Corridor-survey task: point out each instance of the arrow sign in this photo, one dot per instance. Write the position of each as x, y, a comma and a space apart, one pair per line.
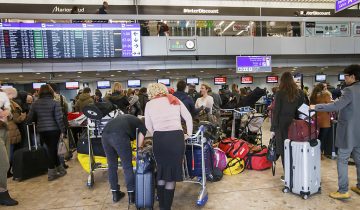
136, 40
136, 45
135, 33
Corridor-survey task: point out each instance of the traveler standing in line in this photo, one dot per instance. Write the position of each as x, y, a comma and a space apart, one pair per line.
320, 95
84, 100
143, 99
217, 99
118, 97
347, 131
134, 107
163, 114
183, 97
192, 92
205, 100
116, 138
47, 114
16, 117
103, 9
5, 111
98, 96
287, 101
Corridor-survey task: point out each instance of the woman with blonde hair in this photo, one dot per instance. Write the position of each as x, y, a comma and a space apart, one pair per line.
205, 101
118, 97
163, 114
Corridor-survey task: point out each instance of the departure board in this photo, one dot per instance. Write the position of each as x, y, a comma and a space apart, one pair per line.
77, 40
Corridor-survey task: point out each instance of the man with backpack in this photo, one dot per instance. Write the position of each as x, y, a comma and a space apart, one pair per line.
348, 130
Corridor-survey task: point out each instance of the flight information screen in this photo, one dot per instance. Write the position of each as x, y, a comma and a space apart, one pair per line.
78, 40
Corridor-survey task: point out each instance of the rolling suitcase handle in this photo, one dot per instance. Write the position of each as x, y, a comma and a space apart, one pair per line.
313, 142
28, 135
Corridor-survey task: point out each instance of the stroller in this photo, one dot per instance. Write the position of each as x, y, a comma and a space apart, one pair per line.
250, 127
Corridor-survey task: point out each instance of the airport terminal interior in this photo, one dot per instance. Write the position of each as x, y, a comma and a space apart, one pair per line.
240, 50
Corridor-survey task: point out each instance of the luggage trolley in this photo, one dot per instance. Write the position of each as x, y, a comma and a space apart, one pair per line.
197, 140
94, 131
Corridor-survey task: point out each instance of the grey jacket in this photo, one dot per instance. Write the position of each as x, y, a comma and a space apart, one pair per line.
47, 114
348, 106
217, 100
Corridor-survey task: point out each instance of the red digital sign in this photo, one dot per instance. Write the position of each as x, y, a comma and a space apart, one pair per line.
272, 79
219, 80
247, 80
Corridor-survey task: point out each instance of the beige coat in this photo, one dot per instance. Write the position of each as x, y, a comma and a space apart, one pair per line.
17, 117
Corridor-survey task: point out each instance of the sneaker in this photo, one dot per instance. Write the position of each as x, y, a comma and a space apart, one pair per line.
340, 196
282, 178
117, 196
356, 189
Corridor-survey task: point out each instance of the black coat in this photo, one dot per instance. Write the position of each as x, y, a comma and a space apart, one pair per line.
283, 114
121, 101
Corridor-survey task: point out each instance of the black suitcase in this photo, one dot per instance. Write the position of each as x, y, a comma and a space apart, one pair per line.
145, 185
29, 162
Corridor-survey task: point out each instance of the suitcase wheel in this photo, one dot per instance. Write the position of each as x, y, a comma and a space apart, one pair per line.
305, 197
285, 190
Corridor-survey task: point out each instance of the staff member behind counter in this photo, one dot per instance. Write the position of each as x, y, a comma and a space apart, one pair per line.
116, 139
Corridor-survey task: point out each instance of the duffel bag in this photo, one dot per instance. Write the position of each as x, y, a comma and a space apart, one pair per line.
234, 166
219, 159
299, 130
258, 161
234, 147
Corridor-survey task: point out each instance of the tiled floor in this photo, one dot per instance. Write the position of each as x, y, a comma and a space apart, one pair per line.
249, 190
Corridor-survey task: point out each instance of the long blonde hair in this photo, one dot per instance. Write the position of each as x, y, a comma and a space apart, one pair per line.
117, 86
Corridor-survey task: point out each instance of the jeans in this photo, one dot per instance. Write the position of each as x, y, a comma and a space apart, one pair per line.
119, 146
51, 140
4, 159
342, 167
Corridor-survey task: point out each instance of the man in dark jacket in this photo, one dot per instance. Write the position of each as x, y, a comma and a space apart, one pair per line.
192, 92
143, 99
84, 100
347, 131
183, 97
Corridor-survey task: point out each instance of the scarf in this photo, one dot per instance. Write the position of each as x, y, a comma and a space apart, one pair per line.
172, 99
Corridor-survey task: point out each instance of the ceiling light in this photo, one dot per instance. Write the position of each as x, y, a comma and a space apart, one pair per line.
60, 75
168, 72
79, 76
6, 78
38, 73
201, 71
158, 70
43, 77
133, 73
119, 71
79, 72
97, 74
112, 75
21, 76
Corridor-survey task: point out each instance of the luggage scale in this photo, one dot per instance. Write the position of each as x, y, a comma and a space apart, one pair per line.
197, 140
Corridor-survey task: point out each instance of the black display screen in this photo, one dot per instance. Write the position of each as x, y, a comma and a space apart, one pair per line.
78, 40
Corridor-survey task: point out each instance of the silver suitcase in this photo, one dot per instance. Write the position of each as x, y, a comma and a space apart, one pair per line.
302, 167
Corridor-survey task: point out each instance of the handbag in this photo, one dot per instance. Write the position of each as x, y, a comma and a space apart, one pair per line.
299, 130
271, 154
62, 149
145, 161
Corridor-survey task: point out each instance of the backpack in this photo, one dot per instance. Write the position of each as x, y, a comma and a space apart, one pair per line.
98, 110
219, 159
234, 147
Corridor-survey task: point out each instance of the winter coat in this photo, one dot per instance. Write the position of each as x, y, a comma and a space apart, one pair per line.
17, 117
284, 113
324, 117
121, 101
84, 100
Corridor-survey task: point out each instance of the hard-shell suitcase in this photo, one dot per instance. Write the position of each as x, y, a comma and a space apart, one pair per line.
303, 166
144, 184
29, 162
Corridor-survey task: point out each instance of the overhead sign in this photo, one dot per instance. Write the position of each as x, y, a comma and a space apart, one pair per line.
344, 4
253, 64
219, 80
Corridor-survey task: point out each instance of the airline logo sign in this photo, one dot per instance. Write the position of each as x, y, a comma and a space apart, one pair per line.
344, 4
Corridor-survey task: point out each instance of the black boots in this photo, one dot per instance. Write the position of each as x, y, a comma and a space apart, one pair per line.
168, 199
117, 196
131, 196
160, 195
6, 200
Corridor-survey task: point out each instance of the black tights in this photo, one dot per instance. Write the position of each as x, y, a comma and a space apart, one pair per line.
165, 192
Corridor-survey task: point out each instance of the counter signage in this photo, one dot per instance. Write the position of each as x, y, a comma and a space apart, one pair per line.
344, 4
253, 64
57, 40
219, 80
182, 44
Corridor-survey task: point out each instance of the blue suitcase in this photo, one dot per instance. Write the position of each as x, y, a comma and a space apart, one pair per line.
193, 160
